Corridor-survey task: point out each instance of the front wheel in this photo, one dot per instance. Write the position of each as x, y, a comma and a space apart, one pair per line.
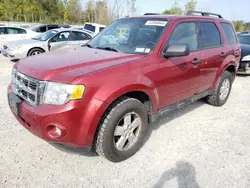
35, 51
122, 130
222, 90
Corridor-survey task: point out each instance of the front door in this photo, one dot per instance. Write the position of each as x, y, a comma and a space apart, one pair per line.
180, 76
60, 40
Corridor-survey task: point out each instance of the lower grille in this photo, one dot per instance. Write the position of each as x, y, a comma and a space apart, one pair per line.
27, 88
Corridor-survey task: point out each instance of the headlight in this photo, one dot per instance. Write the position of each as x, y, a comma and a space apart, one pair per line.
12, 48
59, 94
246, 58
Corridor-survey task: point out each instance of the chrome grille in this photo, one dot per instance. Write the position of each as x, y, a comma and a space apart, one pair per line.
27, 88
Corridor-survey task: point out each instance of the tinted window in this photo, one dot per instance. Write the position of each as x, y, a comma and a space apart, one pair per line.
228, 29
2, 31
15, 31
210, 35
244, 39
79, 36
89, 27
52, 27
42, 29
185, 33
61, 37
101, 28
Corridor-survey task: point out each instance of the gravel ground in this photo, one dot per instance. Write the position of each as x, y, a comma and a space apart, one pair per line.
199, 146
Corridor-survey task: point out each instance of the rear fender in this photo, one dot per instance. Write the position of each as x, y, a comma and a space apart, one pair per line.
229, 61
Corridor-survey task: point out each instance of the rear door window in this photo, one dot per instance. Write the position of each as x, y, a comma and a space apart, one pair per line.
210, 35
15, 31
228, 29
79, 36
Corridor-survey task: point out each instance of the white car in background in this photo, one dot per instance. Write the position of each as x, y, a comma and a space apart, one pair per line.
9, 33
93, 28
51, 40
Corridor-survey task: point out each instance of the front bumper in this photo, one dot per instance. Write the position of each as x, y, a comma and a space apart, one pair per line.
14, 55
244, 67
79, 119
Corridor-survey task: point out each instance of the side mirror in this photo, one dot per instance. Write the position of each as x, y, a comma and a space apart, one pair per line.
177, 50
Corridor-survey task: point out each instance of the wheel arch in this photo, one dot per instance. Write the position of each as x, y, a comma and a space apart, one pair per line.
35, 48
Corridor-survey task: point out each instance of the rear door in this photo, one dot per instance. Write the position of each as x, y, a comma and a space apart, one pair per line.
15, 34
213, 52
79, 38
231, 39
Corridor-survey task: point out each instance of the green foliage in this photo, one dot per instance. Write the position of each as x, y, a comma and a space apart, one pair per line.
190, 6
240, 25
174, 10
53, 11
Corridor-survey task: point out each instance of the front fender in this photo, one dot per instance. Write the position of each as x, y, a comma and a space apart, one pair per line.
112, 90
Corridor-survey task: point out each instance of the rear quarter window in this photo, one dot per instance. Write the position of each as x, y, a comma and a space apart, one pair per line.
229, 31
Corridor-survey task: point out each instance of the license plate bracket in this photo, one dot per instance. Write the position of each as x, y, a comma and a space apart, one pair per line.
14, 103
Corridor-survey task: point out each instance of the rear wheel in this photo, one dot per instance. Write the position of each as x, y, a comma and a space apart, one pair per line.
35, 51
122, 130
222, 90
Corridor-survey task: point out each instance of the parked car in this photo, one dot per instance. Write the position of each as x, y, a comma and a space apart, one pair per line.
50, 40
93, 28
243, 33
244, 67
8, 34
41, 28
104, 96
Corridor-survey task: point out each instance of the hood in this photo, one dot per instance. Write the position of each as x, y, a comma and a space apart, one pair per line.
245, 50
24, 42
68, 64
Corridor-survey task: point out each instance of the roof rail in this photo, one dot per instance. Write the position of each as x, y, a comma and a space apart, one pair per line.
203, 13
151, 14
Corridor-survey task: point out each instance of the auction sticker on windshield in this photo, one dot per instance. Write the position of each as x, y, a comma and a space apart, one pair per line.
156, 23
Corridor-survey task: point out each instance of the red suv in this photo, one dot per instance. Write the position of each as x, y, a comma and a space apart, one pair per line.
106, 94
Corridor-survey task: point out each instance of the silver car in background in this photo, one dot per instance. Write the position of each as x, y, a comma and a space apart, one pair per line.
51, 40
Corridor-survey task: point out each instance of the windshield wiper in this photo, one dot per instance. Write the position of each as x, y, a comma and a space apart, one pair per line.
108, 48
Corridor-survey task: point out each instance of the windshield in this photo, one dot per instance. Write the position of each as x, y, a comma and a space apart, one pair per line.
135, 36
244, 39
45, 36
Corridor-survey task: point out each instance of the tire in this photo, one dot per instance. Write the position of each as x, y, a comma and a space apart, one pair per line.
215, 99
35, 51
107, 144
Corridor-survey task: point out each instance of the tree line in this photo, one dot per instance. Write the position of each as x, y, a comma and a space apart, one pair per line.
75, 12
65, 11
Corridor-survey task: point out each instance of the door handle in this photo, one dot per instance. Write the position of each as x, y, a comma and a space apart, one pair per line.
196, 61
223, 54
